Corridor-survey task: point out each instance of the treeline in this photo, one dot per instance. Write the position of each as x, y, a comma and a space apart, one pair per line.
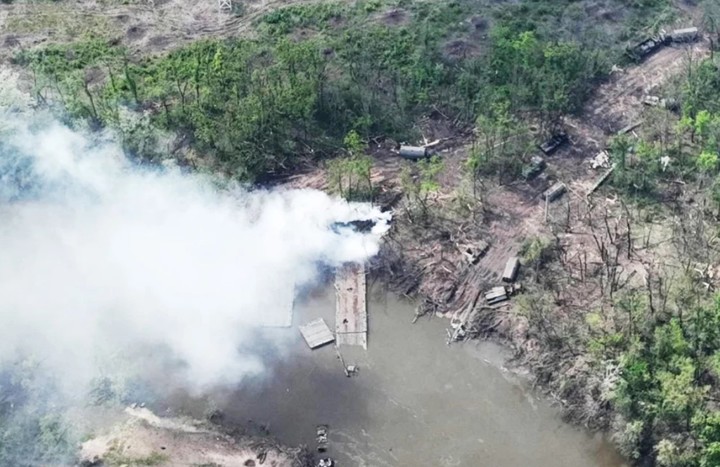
33, 428
42, 419
668, 391
641, 357
669, 352
257, 105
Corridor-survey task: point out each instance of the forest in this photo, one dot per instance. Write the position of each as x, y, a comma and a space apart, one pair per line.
317, 72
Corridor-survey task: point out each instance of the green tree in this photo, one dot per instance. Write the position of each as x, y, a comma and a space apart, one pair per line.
707, 425
419, 188
679, 394
707, 162
351, 176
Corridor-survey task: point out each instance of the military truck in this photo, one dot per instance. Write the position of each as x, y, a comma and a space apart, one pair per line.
533, 169
640, 51
554, 192
553, 143
685, 35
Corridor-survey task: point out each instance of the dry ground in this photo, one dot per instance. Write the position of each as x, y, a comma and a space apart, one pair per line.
578, 288
171, 442
144, 26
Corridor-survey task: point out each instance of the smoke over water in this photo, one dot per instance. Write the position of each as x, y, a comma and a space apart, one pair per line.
98, 256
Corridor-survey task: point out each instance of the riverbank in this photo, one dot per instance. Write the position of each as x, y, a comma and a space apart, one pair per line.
414, 401
423, 254
140, 437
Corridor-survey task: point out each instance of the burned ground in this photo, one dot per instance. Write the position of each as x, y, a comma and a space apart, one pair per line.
510, 214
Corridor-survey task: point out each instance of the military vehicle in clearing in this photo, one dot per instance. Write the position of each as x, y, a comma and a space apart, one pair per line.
552, 144
533, 169
639, 51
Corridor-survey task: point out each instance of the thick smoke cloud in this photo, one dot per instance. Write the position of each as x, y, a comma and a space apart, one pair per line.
98, 256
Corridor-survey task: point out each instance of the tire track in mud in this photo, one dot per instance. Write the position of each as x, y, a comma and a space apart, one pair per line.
519, 212
620, 100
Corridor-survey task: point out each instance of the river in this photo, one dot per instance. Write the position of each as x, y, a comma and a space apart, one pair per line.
415, 401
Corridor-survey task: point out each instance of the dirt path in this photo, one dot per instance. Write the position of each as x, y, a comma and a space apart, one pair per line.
619, 102
513, 213
516, 212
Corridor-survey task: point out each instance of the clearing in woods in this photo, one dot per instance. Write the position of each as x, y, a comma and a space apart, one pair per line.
515, 212
615, 105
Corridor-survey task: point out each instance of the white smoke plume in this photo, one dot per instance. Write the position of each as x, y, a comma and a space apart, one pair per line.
98, 255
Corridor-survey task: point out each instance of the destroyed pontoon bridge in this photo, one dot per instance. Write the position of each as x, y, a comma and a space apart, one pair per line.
351, 306
351, 321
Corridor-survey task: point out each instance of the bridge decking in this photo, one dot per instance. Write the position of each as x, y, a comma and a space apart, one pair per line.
351, 309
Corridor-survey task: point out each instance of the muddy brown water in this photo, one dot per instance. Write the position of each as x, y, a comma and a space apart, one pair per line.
414, 402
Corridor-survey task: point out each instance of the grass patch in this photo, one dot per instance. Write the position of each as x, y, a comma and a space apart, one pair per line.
116, 458
59, 23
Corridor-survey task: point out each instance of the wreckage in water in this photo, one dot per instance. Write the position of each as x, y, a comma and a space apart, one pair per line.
316, 333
